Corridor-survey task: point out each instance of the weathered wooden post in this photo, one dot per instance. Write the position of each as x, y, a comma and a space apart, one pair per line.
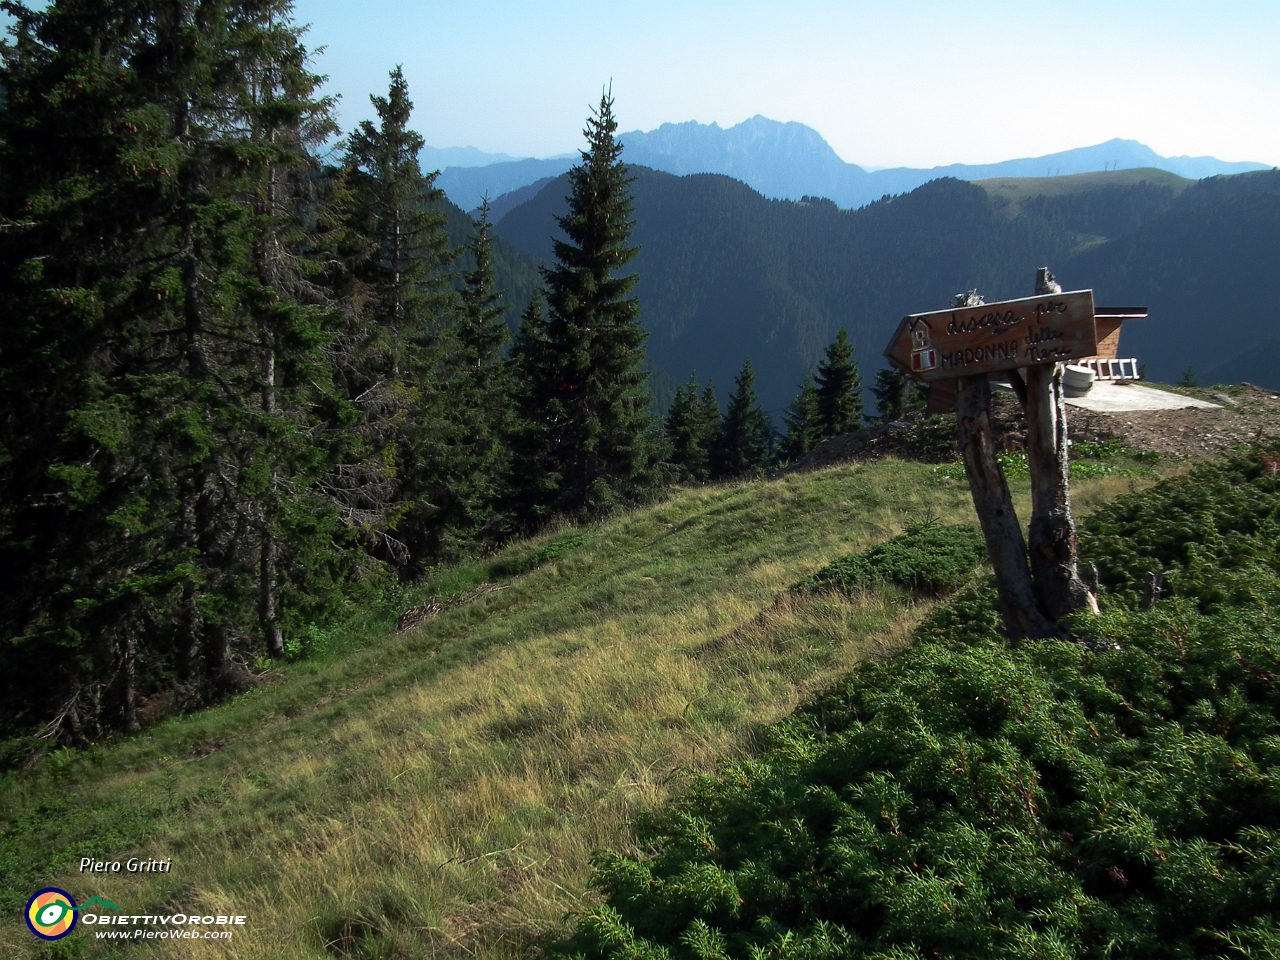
994, 506
1052, 531
969, 342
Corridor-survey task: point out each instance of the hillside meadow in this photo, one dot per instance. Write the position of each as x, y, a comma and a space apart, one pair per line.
440, 791
1109, 794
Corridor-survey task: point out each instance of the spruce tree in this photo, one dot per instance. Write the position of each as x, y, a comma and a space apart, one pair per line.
402, 341
283, 120
481, 331
399, 247
533, 384
82, 311
803, 420
897, 395
743, 445
691, 427
478, 398
839, 389
155, 249
712, 418
596, 416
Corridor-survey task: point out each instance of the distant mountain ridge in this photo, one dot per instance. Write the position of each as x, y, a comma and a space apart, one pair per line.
790, 161
467, 186
785, 161
437, 158
727, 275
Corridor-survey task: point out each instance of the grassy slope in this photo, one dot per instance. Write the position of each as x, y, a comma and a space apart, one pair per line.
1017, 190
443, 790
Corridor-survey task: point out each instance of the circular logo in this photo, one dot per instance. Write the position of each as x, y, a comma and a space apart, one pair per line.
51, 913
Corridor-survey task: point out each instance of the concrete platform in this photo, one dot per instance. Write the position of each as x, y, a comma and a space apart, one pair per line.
1109, 397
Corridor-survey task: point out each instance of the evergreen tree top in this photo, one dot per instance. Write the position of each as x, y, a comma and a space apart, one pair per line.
391, 146
595, 415
599, 221
400, 243
482, 331
839, 389
745, 436
803, 420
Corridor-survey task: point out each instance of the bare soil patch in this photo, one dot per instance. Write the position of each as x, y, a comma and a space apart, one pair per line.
1248, 414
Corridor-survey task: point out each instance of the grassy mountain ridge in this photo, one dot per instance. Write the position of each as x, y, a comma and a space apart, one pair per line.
726, 274
441, 790
1011, 193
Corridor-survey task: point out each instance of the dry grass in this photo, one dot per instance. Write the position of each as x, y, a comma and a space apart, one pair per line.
445, 794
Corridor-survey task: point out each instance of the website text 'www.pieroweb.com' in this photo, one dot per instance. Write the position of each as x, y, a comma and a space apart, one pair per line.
176, 926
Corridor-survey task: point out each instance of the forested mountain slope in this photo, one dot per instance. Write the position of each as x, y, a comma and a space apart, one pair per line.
1206, 266
727, 274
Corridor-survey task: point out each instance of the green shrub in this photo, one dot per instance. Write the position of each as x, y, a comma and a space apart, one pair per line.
1110, 450
1208, 533
1113, 796
928, 557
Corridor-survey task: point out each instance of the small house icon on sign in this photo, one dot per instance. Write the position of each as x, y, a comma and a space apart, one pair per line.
923, 356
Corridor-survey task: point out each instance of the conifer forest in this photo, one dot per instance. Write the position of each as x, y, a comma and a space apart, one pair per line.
245, 375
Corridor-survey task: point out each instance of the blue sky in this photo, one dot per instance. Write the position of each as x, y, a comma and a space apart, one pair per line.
905, 83
914, 82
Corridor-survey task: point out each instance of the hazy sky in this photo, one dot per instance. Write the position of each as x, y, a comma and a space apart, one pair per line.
886, 83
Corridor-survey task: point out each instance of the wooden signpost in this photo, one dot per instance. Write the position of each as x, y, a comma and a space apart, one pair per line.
991, 337
1029, 339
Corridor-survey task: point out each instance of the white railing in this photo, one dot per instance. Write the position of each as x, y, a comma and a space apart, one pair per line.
1112, 369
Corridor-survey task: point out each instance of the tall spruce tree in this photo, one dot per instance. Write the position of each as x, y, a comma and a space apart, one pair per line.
402, 341
481, 331
712, 417
691, 426
79, 519
839, 389
594, 412
746, 436
479, 400
532, 439
283, 119
804, 422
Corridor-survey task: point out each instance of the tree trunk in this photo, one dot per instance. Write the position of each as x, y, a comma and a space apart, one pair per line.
994, 506
130, 682
1052, 533
267, 599
193, 647
267, 619
228, 676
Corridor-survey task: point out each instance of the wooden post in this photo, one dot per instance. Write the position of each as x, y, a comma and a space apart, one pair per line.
969, 342
994, 506
1052, 532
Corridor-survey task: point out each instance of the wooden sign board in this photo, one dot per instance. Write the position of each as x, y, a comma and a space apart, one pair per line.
995, 336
